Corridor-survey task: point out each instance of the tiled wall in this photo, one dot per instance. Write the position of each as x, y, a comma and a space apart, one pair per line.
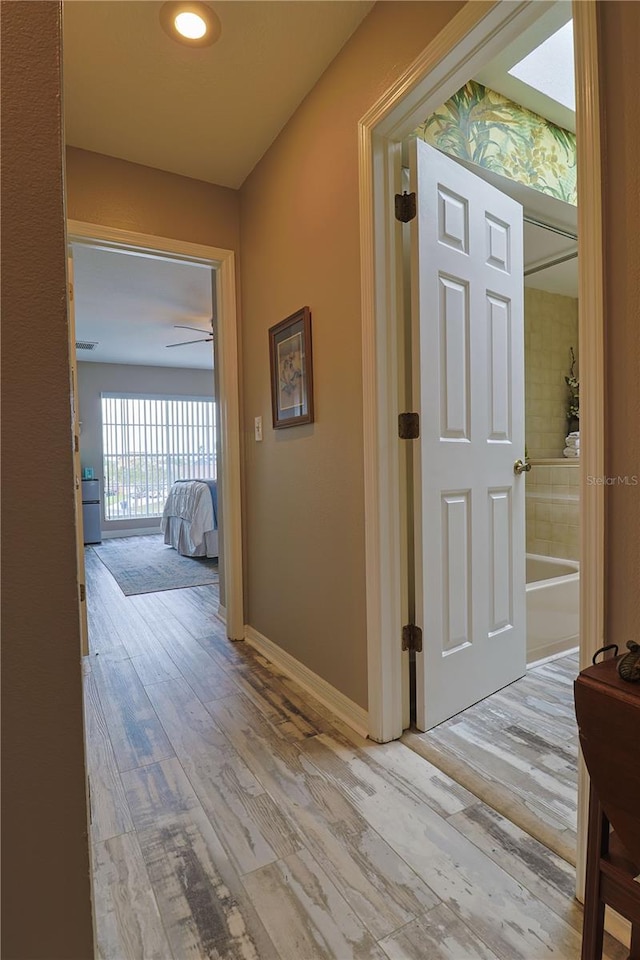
552, 506
550, 329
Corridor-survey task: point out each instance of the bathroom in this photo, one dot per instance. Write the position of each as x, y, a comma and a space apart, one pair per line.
533, 159
553, 482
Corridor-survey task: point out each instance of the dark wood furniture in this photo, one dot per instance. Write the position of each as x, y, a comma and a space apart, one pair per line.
608, 714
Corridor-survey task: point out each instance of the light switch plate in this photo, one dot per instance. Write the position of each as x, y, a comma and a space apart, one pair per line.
258, 428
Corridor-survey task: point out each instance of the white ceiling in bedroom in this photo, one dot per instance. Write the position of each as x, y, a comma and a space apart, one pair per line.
129, 305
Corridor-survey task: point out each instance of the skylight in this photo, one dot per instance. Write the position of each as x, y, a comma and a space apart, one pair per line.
549, 68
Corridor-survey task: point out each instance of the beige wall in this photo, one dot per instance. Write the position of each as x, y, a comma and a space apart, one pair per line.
550, 329
620, 65
300, 246
46, 908
128, 196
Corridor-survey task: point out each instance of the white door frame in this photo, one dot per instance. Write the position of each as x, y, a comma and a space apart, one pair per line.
223, 261
476, 34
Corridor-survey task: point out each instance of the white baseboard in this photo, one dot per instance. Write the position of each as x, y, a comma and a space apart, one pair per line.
345, 709
539, 661
130, 532
617, 926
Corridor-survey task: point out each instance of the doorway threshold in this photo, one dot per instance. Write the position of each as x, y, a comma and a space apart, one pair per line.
517, 751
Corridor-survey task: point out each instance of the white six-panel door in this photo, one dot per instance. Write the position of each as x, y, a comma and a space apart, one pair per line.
468, 374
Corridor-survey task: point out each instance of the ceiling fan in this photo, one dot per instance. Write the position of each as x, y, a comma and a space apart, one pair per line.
184, 343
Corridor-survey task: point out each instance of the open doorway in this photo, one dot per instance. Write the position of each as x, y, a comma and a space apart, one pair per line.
144, 340
496, 385
444, 68
182, 282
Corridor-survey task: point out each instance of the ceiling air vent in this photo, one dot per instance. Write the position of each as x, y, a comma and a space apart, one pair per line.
85, 345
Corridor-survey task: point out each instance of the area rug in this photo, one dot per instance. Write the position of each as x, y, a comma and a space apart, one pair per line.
148, 565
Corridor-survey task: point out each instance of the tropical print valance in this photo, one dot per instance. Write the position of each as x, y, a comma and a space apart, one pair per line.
482, 126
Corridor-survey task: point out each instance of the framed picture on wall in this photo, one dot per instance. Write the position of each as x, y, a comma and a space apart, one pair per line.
291, 370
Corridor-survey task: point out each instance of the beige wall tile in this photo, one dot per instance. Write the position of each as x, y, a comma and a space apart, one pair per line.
551, 328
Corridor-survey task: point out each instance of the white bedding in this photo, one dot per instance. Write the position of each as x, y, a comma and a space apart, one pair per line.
188, 521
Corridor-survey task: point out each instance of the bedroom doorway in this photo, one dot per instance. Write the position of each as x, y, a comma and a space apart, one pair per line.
148, 423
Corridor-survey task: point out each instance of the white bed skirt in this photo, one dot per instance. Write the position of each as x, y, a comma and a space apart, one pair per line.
177, 534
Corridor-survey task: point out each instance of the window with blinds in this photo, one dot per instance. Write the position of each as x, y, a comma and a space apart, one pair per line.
148, 442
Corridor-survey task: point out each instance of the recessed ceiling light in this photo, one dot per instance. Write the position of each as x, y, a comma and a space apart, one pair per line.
190, 25
190, 22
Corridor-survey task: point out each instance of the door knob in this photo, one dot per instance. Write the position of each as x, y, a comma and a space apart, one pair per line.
521, 466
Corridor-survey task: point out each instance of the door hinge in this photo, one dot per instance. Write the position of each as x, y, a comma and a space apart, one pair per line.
83, 592
71, 291
409, 426
412, 637
76, 444
405, 206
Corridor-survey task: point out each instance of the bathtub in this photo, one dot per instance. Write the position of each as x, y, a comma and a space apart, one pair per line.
553, 601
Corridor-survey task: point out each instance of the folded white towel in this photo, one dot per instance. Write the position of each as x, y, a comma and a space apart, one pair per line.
571, 452
574, 433
572, 441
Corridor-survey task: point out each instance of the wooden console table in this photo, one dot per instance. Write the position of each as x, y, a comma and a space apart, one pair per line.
608, 714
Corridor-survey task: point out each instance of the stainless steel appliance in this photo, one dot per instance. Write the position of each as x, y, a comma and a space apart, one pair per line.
91, 511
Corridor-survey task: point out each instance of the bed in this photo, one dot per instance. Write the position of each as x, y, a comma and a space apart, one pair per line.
190, 518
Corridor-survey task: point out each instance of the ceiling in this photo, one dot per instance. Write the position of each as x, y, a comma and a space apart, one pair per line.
127, 84
128, 305
210, 112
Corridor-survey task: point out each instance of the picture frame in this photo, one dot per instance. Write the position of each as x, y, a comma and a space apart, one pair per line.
291, 370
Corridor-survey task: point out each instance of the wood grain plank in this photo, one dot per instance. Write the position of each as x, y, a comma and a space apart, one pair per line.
230, 653
110, 815
157, 792
205, 909
564, 670
207, 678
549, 878
500, 796
377, 884
253, 828
209, 600
412, 774
502, 913
128, 922
149, 606
136, 733
507, 759
113, 620
529, 697
304, 913
440, 935
517, 750
190, 614
295, 719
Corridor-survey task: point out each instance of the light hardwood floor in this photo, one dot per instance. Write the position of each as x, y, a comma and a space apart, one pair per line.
233, 817
518, 750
